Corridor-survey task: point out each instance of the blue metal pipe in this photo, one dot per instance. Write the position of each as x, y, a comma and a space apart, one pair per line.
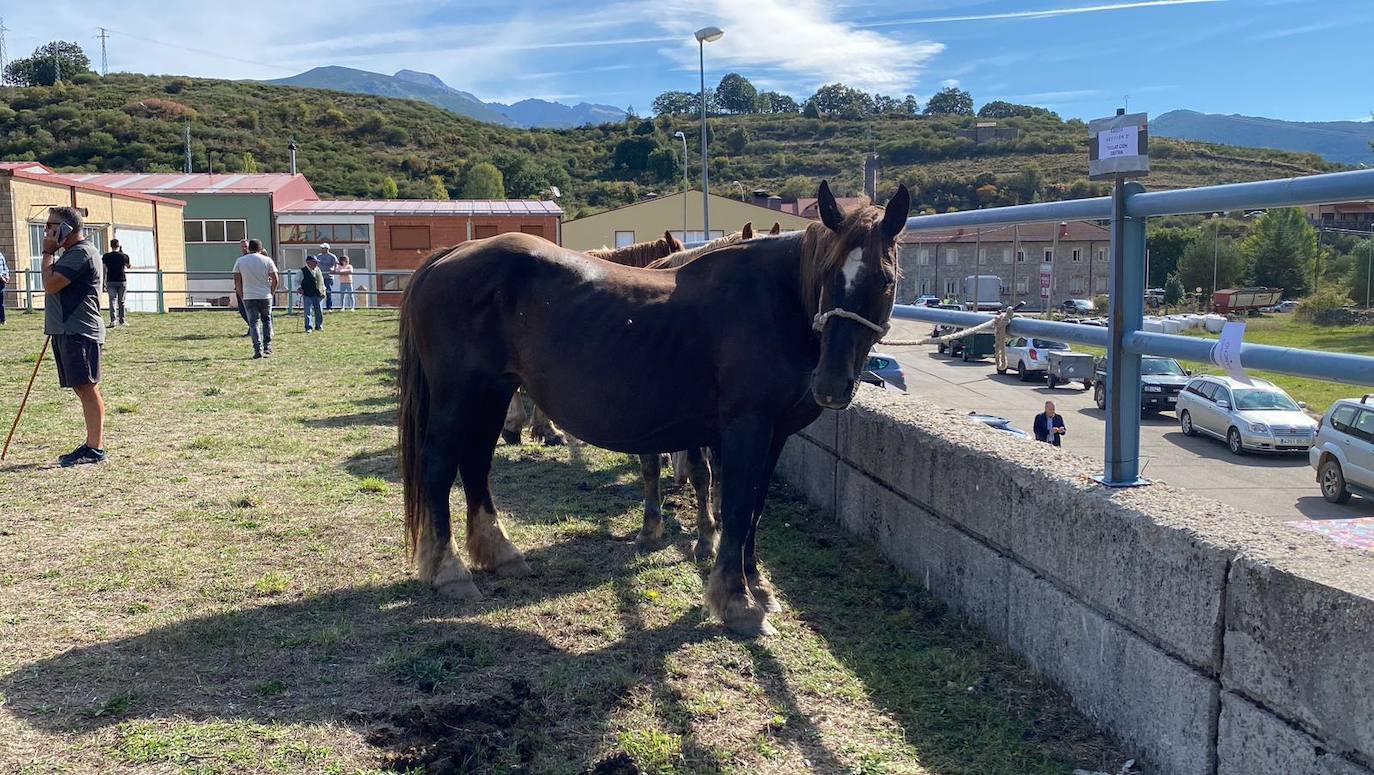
1290, 192
1095, 336
1097, 209
1335, 367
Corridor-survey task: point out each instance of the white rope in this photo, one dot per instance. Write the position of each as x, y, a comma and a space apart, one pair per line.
1000, 323
824, 317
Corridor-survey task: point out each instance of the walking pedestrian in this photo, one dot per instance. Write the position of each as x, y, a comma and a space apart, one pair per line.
345, 272
1049, 426
4, 280
71, 316
116, 281
255, 281
312, 292
328, 261
243, 311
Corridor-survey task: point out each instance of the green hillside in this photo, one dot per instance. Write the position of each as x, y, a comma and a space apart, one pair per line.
351, 143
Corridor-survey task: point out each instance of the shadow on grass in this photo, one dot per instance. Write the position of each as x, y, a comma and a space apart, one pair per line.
381, 417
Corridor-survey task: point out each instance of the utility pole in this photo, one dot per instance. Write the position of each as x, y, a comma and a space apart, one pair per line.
104, 61
188, 170
56, 63
4, 56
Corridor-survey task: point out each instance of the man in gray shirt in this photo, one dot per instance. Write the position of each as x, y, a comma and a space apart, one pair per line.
327, 263
72, 318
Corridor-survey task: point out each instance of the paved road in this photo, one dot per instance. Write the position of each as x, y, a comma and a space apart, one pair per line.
1282, 487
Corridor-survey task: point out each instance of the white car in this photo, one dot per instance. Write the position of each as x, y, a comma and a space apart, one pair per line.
1258, 417
1343, 456
1030, 356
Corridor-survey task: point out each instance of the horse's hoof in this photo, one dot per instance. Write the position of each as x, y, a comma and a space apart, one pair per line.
766, 601
752, 628
704, 551
511, 437
459, 589
513, 569
554, 441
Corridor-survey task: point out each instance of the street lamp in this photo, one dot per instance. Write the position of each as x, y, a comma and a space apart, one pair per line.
740, 186
683, 138
705, 35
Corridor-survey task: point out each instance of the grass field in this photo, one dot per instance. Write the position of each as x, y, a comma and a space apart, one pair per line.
229, 594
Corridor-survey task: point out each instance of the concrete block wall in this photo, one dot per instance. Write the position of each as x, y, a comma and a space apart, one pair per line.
1207, 640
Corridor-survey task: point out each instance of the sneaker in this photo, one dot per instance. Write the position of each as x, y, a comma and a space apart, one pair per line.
257, 354
307, 330
267, 351
81, 455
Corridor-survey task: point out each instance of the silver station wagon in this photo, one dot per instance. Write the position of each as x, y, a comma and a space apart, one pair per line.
1258, 417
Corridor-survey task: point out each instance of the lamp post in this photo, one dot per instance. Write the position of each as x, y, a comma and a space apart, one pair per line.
740, 186
705, 35
683, 138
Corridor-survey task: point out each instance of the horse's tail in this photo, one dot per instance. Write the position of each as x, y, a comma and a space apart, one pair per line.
414, 414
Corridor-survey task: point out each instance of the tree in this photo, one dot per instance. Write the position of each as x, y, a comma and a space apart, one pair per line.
389, 190
736, 140
1359, 278
1000, 109
883, 104
810, 110
1195, 264
796, 187
1173, 290
663, 164
1026, 183
736, 94
437, 189
841, 101
484, 181
42, 69
774, 102
250, 165
1283, 252
632, 153
1166, 246
950, 101
910, 106
673, 103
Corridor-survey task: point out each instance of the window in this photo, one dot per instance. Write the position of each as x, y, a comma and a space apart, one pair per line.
1342, 417
360, 232
1006, 255
483, 231
1004, 289
1101, 254
982, 255
1100, 285
925, 288
215, 230
923, 257
951, 288
1076, 285
1077, 254
951, 256
1364, 425
1020, 256
537, 230
410, 238
1049, 255
624, 238
1022, 285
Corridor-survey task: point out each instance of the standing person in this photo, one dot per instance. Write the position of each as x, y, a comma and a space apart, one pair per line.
116, 281
71, 316
1049, 426
243, 311
255, 281
312, 292
345, 272
4, 280
328, 261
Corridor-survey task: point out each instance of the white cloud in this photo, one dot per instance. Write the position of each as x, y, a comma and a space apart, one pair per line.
950, 83
801, 38
1042, 14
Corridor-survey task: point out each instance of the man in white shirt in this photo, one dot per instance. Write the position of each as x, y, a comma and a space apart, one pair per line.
255, 282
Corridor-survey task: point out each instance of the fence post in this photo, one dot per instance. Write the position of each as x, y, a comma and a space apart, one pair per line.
161, 299
1127, 312
28, 291
290, 291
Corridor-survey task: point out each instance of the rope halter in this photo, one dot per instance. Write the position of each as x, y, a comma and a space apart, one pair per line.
818, 325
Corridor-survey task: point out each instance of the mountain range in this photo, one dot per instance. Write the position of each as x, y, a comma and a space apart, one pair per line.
427, 87
1344, 142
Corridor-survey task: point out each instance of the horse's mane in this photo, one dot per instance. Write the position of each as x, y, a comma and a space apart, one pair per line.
684, 257
823, 253
641, 253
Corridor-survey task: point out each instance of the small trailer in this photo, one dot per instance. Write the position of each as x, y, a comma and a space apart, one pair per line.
1239, 301
1066, 367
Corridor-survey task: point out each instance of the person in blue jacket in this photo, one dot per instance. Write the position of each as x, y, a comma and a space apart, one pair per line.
1049, 426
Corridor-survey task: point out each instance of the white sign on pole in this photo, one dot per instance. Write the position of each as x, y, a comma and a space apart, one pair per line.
1115, 143
1226, 352
1120, 146
1046, 280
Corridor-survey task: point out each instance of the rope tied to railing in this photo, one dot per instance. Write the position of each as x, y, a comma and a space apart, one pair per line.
1000, 322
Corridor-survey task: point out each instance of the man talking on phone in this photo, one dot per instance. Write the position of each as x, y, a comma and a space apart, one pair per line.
71, 279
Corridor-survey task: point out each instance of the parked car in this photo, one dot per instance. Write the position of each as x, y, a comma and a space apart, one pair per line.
886, 367
1161, 380
1343, 455
1286, 306
1030, 356
1257, 417
997, 423
1078, 307
927, 301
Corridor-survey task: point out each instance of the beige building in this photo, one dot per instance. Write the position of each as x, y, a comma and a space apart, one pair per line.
149, 228
647, 220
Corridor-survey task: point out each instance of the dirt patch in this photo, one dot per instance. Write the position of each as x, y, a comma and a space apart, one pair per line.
449, 737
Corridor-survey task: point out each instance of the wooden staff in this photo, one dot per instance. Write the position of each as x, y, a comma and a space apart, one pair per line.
25, 402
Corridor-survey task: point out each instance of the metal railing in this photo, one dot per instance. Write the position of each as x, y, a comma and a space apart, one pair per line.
154, 291
1124, 339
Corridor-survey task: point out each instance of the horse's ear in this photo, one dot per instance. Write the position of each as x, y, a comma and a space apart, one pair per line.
673, 244
777, 228
748, 231
898, 207
829, 208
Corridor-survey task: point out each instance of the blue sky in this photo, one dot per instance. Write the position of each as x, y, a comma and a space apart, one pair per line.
1290, 59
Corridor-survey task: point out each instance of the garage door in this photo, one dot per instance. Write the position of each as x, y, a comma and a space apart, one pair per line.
142, 250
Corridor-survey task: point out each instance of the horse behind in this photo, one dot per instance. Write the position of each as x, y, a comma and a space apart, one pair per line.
735, 351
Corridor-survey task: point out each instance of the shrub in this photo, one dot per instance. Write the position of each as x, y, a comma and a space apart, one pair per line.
1101, 303
1328, 307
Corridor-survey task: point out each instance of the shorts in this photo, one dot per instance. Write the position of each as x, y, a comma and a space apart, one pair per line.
78, 360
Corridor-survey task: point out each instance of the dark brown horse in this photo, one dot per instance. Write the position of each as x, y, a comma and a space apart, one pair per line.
736, 351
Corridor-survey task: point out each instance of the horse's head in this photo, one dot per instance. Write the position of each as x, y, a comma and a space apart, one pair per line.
856, 271
671, 243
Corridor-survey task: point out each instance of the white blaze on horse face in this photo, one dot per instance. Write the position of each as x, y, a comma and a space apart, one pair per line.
852, 264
